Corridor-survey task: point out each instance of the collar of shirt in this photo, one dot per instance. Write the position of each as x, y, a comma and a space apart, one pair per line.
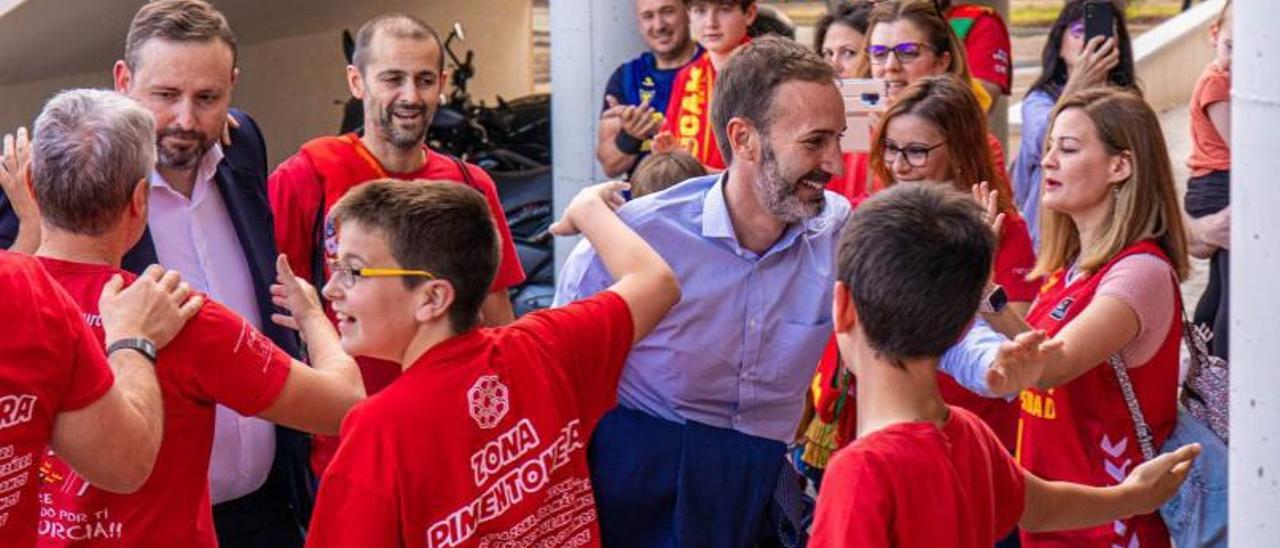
205, 173
717, 224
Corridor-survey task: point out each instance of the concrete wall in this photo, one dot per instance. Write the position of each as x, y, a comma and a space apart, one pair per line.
294, 87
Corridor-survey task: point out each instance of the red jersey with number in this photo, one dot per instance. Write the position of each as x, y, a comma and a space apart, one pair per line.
917, 485
50, 363
483, 440
320, 174
1082, 431
217, 358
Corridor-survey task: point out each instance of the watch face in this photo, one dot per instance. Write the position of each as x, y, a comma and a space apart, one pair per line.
998, 299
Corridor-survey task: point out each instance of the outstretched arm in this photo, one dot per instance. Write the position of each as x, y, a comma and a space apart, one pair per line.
1061, 505
642, 278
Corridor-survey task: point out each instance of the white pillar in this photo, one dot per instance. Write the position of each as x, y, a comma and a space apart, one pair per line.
1255, 258
589, 39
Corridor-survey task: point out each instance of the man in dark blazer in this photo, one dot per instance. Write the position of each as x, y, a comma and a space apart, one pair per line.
209, 219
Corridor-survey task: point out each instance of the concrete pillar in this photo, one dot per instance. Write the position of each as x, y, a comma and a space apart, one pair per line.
1255, 256
589, 39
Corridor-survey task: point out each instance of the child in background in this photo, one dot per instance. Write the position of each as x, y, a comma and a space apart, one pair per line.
922, 473
662, 170
1209, 189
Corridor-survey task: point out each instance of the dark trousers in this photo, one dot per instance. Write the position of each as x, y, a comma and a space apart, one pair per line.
659, 483
1206, 195
260, 519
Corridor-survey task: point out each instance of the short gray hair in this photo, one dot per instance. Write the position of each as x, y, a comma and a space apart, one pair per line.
89, 150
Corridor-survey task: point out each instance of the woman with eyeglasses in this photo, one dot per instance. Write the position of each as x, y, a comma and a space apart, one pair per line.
908, 40
1069, 65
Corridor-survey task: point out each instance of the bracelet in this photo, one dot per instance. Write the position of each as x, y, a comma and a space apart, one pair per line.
137, 344
627, 143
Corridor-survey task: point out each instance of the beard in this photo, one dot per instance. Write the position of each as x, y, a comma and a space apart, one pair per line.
400, 137
781, 196
181, 157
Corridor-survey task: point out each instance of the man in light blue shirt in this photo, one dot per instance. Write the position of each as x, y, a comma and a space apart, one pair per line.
707, 402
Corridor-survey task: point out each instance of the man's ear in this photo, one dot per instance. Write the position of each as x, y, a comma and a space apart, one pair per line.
844, 314
435, 298
138, 201
355, 82
122, 76
235, 76
744, 140
751, 13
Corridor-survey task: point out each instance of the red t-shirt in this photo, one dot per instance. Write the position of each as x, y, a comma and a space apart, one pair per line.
987, 47
1209, 151
296, 192
483, 440
217, 358
913, 484
49, 363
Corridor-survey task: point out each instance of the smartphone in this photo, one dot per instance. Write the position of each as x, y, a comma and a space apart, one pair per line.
864, 101
1099, 19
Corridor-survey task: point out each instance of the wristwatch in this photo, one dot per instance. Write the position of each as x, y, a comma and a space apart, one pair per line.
994, 301
137, 344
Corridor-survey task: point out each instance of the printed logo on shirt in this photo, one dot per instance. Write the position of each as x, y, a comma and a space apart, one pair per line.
254, 342
16, 409
489, 401
1060, 311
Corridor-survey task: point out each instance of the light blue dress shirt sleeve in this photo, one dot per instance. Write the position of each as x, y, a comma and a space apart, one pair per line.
968, 360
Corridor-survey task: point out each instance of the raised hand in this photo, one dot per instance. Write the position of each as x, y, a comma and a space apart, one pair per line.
295, 295
156, 306
607, 194
1021, 362
988, 200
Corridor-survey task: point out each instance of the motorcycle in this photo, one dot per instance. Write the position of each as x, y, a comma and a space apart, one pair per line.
512, 142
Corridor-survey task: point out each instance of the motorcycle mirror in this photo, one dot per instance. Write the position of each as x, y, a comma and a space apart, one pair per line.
457, 29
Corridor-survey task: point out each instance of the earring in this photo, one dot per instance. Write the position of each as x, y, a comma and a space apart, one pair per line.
1115, 189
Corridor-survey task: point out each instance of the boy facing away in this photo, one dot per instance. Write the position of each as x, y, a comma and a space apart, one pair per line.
482, 439
912, 267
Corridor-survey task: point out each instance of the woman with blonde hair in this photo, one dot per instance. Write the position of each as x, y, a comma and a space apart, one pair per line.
1112, 253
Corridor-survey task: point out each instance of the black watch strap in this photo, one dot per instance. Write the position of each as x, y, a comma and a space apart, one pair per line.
138, 344
628, 143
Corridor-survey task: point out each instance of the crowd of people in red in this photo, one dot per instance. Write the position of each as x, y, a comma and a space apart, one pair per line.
767, 341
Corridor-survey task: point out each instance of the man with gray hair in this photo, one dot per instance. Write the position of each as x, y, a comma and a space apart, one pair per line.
56, 389
209, 219
92, 154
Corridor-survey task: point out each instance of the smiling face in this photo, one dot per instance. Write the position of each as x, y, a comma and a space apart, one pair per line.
841, 47
900, 73
664, 24
1078, 169
400, 86
376, 316
907, 137
720, 27
801, 150
187, 87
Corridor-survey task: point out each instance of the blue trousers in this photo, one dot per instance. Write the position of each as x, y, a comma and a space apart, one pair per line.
663, 484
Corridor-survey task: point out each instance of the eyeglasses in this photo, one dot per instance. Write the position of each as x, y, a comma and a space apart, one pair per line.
915, 154
346, 275
906, 52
